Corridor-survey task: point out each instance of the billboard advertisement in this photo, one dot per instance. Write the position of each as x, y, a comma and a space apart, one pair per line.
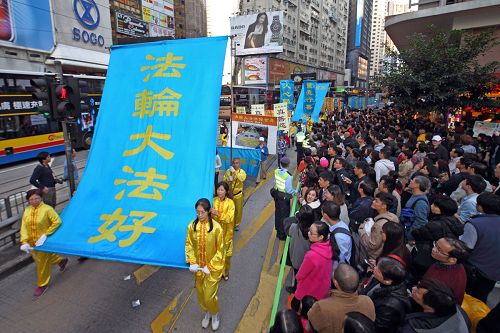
258, 33
27, 24
359, 21
255, 70
160, 16
131, 26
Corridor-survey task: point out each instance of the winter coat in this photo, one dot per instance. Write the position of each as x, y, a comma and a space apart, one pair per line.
404, 171
315, 273
361, 210
382, 168
298, 246
439, 227
391, 306
374, 242
425, 322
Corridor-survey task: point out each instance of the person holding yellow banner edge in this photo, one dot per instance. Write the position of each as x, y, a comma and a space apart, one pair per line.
235, 176
205, 253
223, 212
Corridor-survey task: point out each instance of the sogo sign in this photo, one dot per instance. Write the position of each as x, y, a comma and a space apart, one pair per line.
87, 14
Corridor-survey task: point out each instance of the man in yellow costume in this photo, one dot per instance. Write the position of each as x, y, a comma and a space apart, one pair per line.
235, 176
205, 254
39, 221
223, 212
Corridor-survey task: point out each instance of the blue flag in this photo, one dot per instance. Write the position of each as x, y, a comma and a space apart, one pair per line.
286, 93
299, 108
152, 157
249, 159
309, 96
321, 90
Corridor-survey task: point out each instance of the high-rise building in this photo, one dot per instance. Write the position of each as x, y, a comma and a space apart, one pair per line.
358, 42
195, 18
314, 37
379, 41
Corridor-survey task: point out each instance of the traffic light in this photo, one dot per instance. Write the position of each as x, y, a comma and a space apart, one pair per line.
44, 93
77, 96
63, 106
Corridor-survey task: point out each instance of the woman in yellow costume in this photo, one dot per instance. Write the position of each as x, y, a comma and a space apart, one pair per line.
235, 176
205, 254
223, 212
39, 221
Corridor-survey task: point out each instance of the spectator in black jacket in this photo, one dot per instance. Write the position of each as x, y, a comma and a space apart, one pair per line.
444, 224
361, 171
452, 184
43, 179
362, 207
388, 293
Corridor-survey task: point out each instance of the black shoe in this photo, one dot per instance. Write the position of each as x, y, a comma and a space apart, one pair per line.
281, 237
290, 289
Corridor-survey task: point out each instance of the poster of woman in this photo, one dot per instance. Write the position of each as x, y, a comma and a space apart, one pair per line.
258, 33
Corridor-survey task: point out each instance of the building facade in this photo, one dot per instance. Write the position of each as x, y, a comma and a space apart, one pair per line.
358, 42
314, 37
379, 41
195, 18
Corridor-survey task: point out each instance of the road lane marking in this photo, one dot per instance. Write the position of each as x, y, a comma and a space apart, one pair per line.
145, 272
183, 305
165, 316
255, 226
269, 251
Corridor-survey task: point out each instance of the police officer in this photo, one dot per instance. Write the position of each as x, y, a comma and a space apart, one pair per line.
282, 195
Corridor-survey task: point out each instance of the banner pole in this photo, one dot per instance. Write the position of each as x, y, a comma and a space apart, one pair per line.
233, 51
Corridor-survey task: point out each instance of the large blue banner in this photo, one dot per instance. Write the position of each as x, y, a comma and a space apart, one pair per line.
152, 156
249, 159
286, 93
321, 90
299, 113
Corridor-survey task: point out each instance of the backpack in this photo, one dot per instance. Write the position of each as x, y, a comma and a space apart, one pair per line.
359, 254
407, 216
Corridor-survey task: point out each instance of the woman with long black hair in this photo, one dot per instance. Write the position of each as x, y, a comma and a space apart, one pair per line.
256, 32
205, 253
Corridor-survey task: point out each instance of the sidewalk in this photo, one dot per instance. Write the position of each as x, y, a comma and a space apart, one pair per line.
12, 259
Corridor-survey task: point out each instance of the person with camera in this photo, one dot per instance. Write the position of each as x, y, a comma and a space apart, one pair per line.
43, 179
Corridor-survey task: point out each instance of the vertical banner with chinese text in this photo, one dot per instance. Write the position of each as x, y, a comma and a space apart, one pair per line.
286, 93
140, 184
310, 96
321, 91
249, 159
281, 114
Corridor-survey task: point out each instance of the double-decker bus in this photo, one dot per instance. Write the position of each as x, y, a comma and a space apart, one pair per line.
24, 132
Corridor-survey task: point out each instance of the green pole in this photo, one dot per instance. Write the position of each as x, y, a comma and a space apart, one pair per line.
277, 292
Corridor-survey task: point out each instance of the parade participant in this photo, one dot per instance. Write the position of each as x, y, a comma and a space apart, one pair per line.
205, 255
223, 213
264, 152
39, 221
282, 195
218, 164
235, 176
43, 178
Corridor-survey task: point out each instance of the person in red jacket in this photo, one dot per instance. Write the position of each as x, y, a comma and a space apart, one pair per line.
449, 253
313, 277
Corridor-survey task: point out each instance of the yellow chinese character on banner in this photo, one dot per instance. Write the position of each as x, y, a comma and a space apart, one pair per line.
138, 228
253, 162
309, 107
286, 85
164, 63
142, 185
309, 85
147, 103
148, 136
287, 94
108, 230
243, 161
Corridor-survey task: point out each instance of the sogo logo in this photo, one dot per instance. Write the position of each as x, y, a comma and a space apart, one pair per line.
87, 13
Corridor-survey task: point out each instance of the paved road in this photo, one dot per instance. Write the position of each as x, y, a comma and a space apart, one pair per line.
94, 296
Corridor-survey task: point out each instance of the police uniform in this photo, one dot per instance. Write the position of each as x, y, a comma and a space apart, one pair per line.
282, 198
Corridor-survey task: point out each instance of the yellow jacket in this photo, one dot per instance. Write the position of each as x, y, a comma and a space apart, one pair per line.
236, 184
38, 221
225, 209
206, 248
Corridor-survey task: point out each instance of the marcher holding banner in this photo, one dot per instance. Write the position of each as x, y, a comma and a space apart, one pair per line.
205, 254
39, 221
235, 176
223, 212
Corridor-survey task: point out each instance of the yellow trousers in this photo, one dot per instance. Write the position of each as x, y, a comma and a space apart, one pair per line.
238, 208
44, 262
206, 289
228, 229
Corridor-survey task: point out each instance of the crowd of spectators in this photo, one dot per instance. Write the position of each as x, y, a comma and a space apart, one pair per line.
398, 226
